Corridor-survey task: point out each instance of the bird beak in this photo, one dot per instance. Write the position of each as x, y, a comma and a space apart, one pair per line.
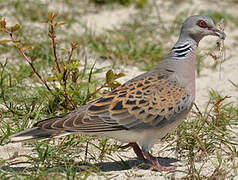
217, 32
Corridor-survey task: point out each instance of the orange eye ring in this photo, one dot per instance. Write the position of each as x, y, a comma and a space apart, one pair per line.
202, 24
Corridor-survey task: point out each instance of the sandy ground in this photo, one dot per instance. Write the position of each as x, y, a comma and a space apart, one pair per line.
209, 79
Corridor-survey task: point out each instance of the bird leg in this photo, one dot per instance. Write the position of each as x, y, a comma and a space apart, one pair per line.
145, 155
155, 162
136, 149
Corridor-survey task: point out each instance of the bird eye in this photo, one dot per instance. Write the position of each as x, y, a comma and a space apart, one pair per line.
202, 24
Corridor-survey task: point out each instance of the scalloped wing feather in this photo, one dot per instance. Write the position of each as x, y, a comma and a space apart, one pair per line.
151, 101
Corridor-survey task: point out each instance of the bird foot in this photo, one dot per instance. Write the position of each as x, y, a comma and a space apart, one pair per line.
136, 149
156, 164
145, 155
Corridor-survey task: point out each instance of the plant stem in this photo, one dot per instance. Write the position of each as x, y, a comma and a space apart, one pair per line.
65, 75
54, 46
29, 61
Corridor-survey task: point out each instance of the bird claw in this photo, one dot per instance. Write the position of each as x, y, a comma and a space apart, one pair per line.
156, 164
162, 168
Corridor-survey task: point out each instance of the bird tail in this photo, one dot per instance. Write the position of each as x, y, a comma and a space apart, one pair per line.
36, 133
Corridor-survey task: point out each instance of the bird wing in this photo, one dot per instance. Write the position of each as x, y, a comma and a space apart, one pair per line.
150, 101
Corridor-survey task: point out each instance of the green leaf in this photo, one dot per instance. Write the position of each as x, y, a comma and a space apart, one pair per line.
65, 50
29, 47
3, 23
15, 28
60, 76
74, 45
75, 64
2, 29
4, 41
17, 43
52, 15
44, 22
119, 75
110, 76
51, 79
60, 23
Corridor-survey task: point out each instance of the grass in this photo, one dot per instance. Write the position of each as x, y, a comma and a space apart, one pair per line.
207, 137
210, 133
136, 41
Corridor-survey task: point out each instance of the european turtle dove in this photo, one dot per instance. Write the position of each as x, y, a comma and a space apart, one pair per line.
144, 109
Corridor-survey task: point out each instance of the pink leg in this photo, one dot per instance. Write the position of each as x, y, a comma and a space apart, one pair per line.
136, 149
155, 162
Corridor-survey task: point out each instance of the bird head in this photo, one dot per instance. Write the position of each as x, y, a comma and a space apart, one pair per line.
199, 26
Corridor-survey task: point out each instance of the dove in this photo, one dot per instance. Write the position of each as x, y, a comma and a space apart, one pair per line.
144, 109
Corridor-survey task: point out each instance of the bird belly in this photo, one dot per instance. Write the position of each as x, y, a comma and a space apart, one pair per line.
125, 136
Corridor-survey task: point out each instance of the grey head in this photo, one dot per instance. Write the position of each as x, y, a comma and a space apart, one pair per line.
199, 26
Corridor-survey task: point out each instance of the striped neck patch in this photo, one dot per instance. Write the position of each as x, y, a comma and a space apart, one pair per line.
182, 50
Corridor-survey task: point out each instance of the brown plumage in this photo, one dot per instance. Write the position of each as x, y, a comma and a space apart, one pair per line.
148, 102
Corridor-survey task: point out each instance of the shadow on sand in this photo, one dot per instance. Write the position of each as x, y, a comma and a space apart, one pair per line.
103, 166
